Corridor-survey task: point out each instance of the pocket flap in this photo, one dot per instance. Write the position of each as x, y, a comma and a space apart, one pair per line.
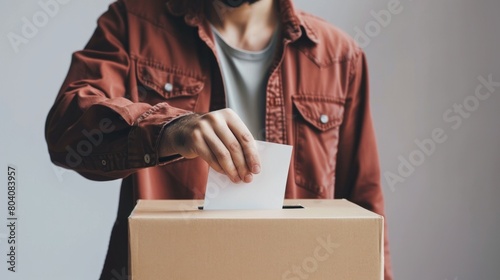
168, 82
322, 112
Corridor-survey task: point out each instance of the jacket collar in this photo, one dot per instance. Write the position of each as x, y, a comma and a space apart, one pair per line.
294, 25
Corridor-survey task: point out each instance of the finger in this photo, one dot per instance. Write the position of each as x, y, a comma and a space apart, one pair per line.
206, 154
247, 143
234, 147
222, 154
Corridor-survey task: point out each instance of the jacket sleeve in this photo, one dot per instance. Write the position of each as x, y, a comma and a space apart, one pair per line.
358, 170
93, 128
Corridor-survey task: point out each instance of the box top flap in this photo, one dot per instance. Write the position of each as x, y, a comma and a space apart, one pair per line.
313, 209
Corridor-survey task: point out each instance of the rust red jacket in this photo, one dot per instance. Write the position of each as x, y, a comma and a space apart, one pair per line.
147, 64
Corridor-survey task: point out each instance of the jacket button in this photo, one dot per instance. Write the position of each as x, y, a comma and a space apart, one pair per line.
147, 158
323, 119
168, 87
103, 162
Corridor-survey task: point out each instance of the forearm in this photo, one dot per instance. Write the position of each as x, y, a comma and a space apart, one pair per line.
109, 138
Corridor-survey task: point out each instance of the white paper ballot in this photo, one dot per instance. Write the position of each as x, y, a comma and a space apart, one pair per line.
267, 189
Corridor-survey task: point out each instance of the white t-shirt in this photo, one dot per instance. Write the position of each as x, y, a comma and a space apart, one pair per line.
245, 75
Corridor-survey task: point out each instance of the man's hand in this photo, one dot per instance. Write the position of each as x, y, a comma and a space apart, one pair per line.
220, 138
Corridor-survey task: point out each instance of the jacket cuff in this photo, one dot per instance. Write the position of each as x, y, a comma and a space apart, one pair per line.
144, 137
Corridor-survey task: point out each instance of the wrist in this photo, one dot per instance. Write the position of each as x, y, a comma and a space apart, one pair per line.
168, 139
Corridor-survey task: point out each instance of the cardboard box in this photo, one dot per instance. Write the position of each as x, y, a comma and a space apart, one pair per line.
326, 239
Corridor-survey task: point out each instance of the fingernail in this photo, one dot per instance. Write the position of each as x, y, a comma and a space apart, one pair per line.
256, 169
248, 178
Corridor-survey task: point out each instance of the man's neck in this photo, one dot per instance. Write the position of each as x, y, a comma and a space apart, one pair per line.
248, 27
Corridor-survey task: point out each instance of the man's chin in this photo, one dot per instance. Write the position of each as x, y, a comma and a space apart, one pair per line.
237, 3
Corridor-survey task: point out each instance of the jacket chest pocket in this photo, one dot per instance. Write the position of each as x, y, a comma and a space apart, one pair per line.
316, 141
157, 83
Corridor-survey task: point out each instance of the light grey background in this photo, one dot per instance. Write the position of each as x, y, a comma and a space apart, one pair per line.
443, 219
